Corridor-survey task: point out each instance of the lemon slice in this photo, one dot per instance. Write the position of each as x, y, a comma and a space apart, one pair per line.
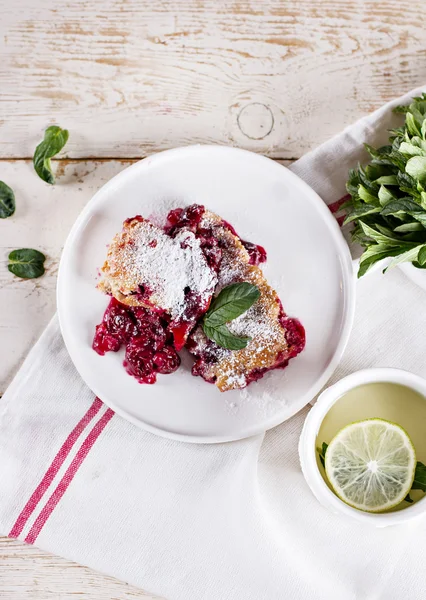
370, 465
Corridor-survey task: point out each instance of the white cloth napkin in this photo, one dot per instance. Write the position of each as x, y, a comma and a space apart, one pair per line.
222, 522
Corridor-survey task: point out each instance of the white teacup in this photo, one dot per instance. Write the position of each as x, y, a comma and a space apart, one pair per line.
308, 438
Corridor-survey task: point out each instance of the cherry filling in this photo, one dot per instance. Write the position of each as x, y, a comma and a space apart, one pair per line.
257, 253
149, 347
190, 218
295, 335
184, 218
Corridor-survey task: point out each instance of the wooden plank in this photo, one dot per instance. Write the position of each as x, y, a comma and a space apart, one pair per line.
27, 573
134, 76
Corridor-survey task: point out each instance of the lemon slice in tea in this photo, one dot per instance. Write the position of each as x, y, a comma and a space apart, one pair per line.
370, 465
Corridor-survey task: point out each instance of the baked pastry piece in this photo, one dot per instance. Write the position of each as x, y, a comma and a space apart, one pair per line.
162, 282
275, 338
169, 275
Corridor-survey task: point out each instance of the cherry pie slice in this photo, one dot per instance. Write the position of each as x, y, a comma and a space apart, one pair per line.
275, 338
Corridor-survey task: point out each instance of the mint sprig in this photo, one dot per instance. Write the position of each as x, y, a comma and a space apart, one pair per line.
54, 140
232, 301
321, 452
388, 196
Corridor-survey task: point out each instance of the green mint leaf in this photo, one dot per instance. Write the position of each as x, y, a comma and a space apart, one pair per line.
411, 150
411, 124
387, 180
408, 499
26, 263
367, 196
377, 235
419, 482
401, 109
321, 451
420, 217
224, 338
54, 140
385, 196
421, 257
362, 211
232, 301
375, 253
402, 205
407, 256
7, 201
353, 182
378, 153
416, 167
409, 227
368, 183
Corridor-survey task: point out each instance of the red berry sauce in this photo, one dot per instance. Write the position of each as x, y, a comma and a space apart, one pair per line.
149, 346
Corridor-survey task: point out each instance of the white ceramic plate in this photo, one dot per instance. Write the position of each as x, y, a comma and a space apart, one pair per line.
308, 263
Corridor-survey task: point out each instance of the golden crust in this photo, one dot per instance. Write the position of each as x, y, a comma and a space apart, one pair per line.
261, 322
119, 280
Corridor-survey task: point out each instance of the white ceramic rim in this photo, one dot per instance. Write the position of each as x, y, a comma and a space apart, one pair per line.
349, 281
307, 445
417, 276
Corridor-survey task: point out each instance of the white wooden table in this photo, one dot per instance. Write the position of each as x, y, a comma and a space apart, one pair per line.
132, 77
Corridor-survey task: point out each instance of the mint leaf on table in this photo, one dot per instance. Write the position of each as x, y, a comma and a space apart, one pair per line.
232, 301
321, 451
26, 263
7, 201
54, 140
387, 206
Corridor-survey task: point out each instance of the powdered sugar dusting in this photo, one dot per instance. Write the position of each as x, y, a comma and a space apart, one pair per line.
168, 266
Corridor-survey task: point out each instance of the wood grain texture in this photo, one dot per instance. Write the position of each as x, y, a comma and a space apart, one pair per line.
131, 77
27, 573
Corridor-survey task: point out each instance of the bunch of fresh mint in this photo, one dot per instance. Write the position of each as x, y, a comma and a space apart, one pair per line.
388, 196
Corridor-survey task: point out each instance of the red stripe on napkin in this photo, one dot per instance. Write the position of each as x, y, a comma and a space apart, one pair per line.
51, 472
68, 477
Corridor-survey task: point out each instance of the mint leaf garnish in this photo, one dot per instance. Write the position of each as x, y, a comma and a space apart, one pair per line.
232, 301
54, 140
224, 338
7, 201
321, 451
26, 263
